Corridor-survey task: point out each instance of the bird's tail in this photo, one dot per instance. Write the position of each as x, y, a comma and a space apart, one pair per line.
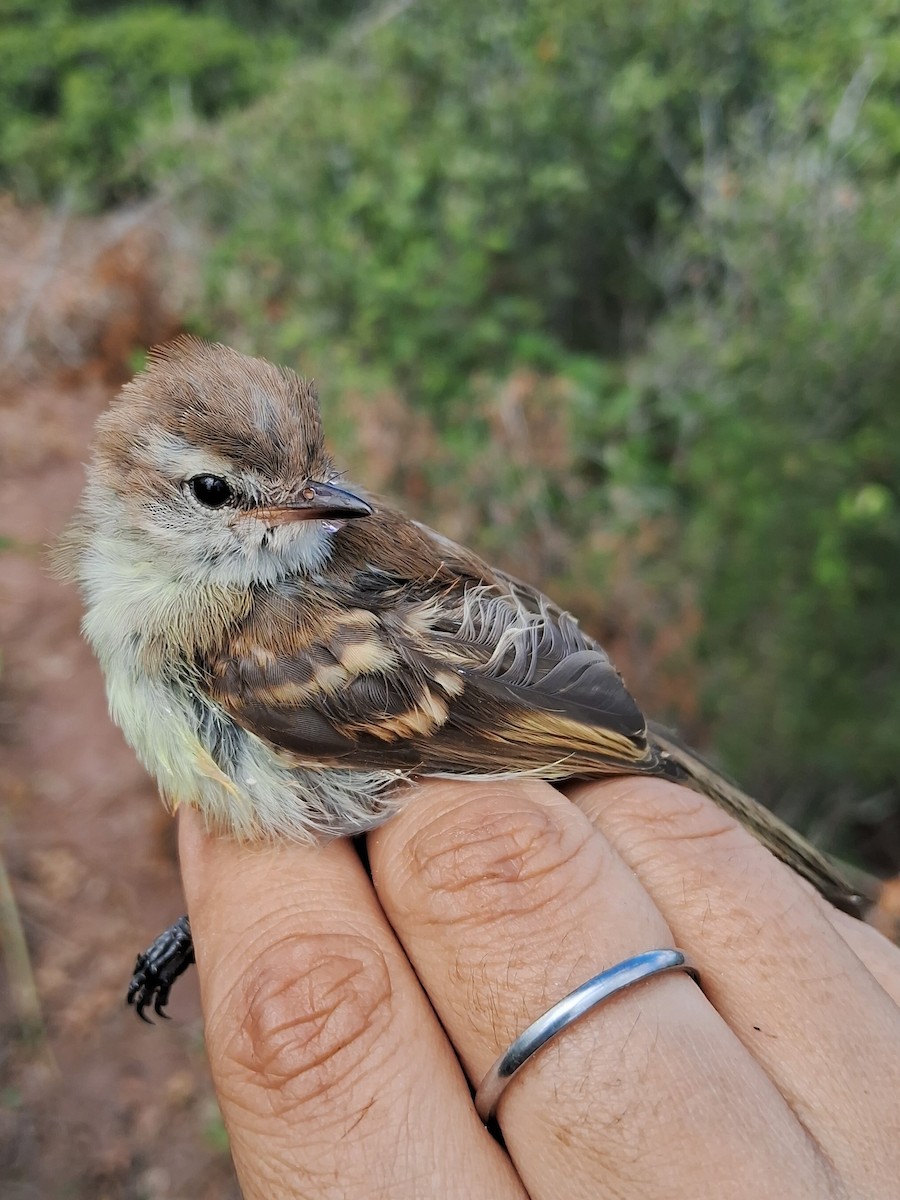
853, 892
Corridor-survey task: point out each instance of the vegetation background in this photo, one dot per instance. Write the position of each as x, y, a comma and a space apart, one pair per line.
610, 291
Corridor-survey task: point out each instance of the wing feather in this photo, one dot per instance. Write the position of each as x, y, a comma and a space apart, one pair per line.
463, 676
460, 670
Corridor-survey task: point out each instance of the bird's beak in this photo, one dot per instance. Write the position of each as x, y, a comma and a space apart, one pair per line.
315, 502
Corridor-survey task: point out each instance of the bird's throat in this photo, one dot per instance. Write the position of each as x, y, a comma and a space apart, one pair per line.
135, 609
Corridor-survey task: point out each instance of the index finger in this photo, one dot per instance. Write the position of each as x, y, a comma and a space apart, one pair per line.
333, 1074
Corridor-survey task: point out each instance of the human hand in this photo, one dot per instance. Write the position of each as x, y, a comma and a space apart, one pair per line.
339, 1009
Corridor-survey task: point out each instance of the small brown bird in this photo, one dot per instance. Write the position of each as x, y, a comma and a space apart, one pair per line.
286, 655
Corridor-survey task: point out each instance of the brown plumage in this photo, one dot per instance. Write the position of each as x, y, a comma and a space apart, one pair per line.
243, 409
370, 669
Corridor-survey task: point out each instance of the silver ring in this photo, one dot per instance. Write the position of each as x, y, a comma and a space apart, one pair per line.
570, 1008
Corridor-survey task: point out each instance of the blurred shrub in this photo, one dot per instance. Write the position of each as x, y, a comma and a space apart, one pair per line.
771, 384
312, 20
474, 186
79, 94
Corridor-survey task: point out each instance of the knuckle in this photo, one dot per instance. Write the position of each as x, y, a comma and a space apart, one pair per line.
498, 857
303, 1019
722, 875
671, 815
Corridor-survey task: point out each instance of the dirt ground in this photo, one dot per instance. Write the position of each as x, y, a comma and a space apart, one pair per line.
92, 1103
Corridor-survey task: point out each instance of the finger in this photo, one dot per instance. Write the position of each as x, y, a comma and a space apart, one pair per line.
334, 1078
505, 899
799, 998
880, 956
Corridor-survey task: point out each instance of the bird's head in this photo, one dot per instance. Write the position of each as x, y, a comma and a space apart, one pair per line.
213, 466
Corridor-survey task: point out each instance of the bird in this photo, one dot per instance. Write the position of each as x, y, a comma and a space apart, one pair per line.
287, 653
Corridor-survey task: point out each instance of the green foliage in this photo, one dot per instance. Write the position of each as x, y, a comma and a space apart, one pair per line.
474, 186
79, 97
312, 20
775, 378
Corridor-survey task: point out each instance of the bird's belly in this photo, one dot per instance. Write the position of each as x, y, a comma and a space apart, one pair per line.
202, 758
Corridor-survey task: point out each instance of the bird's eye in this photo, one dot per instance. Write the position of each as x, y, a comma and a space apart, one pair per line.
211, 490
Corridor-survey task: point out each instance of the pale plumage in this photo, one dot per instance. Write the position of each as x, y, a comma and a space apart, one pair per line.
285, 655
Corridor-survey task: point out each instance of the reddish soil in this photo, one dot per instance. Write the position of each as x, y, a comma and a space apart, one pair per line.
96, 1104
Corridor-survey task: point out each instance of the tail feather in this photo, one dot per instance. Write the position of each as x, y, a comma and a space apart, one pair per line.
683, 765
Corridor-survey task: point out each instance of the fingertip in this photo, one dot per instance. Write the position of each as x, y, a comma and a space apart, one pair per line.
190, 833
597, 794
195, 850
432, 799
213, 865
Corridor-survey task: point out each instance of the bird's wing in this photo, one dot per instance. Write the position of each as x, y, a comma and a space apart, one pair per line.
461, 674
448, 676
